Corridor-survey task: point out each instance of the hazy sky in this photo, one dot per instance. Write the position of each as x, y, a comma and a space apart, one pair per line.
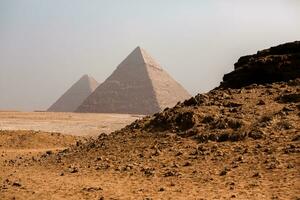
47, 45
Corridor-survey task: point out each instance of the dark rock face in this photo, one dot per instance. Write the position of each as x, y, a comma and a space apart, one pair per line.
280, 63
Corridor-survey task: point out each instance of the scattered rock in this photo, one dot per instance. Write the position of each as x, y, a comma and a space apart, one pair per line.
73, 169
296, 138
92, 189
148, 171
49, 152
256, 134
291, 148
261, 102
232, 104
16, 184
224, 172
188, 163
190, 102
257, 175
171, 173
289, 98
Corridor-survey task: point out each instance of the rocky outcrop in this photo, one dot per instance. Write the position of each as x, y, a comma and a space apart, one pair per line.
280, 63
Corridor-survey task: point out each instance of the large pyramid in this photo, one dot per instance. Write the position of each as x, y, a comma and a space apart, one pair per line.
74, 96
138, 86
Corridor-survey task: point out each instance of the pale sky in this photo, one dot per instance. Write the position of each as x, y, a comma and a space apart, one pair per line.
47, 45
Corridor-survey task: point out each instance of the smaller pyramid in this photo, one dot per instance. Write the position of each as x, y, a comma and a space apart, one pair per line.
74, 96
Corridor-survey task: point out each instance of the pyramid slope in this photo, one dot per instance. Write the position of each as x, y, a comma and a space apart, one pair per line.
74, 96
135, 87
167, 91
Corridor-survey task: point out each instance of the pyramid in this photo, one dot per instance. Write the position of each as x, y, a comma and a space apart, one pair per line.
138, 86
74, 96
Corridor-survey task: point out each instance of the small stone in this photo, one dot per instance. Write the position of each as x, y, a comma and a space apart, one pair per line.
16, 184
256, 134
73, 170
49, 152
92, 189
157, 152
261, 102
290, 166
187, 164
223, 172
171, 173
257, 175
148, 171
296, 138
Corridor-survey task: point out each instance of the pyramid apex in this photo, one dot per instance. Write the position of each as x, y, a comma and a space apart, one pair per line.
84, 76
139, 50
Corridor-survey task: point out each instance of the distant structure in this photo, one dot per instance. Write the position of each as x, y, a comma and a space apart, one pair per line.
138, 86
74, 96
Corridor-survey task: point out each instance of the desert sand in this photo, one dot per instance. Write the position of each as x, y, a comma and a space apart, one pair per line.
85, 124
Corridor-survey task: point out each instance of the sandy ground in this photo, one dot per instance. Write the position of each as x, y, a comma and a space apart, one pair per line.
84, 124
232, 144
173, 172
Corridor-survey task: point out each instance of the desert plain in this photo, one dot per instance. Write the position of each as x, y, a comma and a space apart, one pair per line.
26, 135
77, 124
